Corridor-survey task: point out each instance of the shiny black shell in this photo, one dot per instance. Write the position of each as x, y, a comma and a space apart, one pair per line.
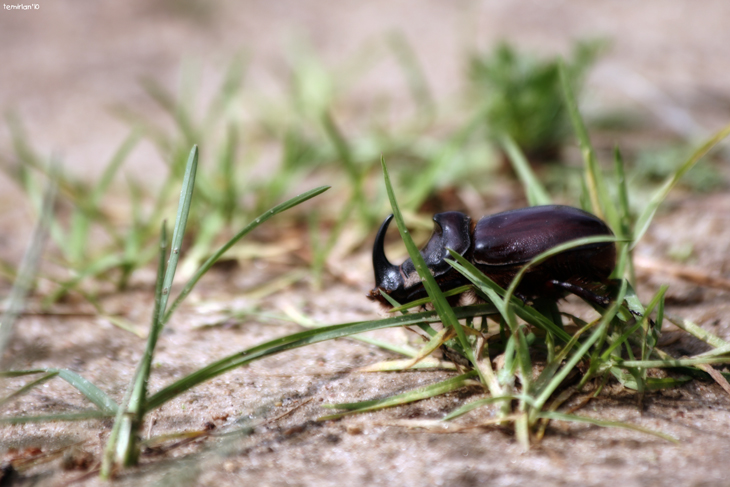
517, 236
505, 242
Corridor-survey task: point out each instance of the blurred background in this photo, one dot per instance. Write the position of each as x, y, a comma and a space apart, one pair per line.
66, 65
284, 95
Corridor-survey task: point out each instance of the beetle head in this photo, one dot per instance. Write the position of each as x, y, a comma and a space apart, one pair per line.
402, 283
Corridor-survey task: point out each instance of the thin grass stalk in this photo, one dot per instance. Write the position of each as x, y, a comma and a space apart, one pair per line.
28, 387
181, 220
553, 415
626, 260
136, 408
426, 392
297, 340
550, 253
601, 202
642, 223
121, 446
29, 263
578, 355
534, 190
126, 449
444, 310
89, 209
205, 267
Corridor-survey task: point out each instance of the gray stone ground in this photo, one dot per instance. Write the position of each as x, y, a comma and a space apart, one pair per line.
65, 64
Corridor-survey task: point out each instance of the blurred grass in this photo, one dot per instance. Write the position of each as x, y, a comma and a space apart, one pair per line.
521, 96
263, 147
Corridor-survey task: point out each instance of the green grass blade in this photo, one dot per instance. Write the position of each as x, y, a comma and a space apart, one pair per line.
405, 364
698, 332
442, 307
121, 444
115, 163
599, 422
95, 268
46, 418
181, 220
642, 223
27, 388
105, 403
492, 290
435, 342
648, 364
551, 386
426, 392
427, 300
523, 361
98, 397
297, 340
601, 202
539, 259
534, 190
29, 263
481, 403
205, 267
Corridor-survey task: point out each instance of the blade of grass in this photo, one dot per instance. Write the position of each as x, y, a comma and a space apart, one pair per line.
444, 310
601, 202
435, 342
492, 290
479, 403
536, 193
404, 364
698, 332
100, 399
105, 403
89, 205
551, 386
427, 300
183, 210
124, 444
642, 223
27, 388
205, 267
426, 392
120, 445
300, 319
46, 418
648, 364
623, 230
599, 422
297, 340
29, 263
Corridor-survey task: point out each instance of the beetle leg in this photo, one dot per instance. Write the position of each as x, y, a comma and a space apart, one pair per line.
582, 292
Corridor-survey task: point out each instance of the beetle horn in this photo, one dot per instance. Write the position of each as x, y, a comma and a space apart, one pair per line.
387, 275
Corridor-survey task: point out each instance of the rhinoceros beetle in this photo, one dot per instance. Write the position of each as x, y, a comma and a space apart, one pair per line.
500, 245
